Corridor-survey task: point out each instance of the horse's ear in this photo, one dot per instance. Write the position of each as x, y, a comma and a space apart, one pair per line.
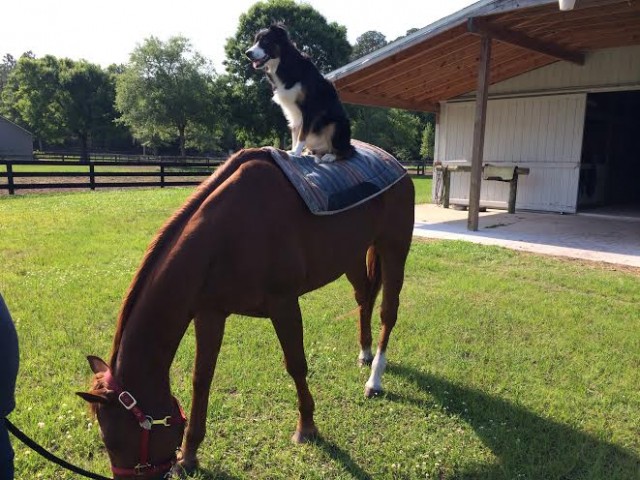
93, 397
97, 364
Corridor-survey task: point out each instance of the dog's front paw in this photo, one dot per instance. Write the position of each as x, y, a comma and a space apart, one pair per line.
327, 158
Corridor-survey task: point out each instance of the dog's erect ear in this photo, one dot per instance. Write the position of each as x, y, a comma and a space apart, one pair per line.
93, 397
97, 364
280, 28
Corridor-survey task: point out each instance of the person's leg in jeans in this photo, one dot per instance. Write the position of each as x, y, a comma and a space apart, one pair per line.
8, 374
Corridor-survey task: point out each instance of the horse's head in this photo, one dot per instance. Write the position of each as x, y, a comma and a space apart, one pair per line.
139, 442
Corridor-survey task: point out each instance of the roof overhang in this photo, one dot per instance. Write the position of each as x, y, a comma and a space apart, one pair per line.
440, 61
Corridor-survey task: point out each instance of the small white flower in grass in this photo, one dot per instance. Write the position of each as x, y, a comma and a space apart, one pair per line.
41, 424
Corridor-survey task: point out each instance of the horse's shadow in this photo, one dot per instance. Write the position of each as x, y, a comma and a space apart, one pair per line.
330, 449
340, 456
525, 444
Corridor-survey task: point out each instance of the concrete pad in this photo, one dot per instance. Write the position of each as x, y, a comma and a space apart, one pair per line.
587, 237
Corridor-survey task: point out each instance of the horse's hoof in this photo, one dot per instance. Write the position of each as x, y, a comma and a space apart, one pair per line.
184, 468
373, 392
365, 362
304, 437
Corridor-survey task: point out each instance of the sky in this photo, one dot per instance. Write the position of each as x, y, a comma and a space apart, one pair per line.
106, 33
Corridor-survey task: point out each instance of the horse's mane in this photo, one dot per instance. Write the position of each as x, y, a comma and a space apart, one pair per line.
169, 232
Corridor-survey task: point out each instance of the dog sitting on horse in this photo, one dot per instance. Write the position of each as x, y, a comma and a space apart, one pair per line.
310, 102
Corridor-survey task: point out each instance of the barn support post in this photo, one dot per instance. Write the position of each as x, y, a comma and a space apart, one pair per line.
484, 69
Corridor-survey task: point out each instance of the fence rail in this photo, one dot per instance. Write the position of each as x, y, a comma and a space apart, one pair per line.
74, 157
168, 174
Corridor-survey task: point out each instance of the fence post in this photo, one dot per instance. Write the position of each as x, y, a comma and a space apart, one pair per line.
10, 183
92, 176
446, 187
161, 176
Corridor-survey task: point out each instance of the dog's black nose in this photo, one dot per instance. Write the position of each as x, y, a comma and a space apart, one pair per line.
249, 54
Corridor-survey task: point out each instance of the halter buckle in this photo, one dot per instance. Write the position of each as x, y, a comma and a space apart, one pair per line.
140, 469
127, 400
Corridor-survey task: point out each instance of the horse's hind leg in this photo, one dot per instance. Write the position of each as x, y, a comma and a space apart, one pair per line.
392, 263
287, 321
209, 331
365, 279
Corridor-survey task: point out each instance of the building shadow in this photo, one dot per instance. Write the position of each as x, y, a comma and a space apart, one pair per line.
525, 444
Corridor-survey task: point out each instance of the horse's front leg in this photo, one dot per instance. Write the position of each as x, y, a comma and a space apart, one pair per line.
209, 332
287, 321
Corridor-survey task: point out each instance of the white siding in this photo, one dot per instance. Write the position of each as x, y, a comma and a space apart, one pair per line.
609, 68
542, 133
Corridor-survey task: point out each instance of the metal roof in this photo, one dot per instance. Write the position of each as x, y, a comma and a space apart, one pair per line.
440, 61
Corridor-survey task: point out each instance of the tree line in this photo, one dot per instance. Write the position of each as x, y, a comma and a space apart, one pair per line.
169, 99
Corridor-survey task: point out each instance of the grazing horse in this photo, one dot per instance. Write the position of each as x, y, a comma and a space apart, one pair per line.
243, 243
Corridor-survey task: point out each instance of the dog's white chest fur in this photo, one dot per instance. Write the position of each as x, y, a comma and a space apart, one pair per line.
286, 98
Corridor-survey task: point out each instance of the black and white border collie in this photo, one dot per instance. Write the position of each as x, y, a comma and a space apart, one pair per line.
310, 102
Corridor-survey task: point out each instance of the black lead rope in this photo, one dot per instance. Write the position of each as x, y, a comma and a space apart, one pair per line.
48, 455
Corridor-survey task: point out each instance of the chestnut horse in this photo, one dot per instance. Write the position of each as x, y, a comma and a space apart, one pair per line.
243, 243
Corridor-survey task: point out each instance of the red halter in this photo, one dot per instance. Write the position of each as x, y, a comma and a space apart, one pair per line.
146, 422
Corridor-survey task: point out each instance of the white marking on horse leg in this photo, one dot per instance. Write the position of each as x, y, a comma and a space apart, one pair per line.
365, 357
374, 384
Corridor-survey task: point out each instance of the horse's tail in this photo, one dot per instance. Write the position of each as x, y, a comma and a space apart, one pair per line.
374, 274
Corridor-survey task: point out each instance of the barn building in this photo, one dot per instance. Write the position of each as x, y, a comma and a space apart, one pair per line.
15, 141
522, 83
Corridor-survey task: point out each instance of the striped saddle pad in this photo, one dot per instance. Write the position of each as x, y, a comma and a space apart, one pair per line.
329, 188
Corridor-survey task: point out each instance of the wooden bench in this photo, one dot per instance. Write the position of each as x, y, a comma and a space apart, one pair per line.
489, 172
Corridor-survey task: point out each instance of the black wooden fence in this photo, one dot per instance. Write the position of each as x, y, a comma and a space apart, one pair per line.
16, 174
74, 157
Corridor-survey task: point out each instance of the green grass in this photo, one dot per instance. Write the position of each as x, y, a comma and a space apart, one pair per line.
423, 189
503, 365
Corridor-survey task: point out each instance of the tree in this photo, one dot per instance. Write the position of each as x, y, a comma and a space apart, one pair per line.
31, 95
86, 99
60, 100
366, 43
162, 91
7, 65
260, 120
409, 32
428, 141
392, 129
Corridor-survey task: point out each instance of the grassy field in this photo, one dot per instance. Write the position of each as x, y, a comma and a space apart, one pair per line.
423, 189
503, 365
